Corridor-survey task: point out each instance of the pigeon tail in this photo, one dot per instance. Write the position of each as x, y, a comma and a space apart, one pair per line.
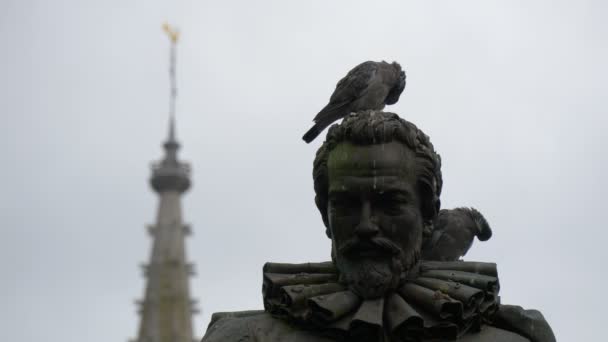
330, 113
313, 132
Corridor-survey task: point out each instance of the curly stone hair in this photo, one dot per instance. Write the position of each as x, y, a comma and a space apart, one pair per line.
372, 127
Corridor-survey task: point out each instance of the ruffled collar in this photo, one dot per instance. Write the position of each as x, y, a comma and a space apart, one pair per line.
445, 300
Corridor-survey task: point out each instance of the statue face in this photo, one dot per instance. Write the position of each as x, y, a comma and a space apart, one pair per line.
374, 215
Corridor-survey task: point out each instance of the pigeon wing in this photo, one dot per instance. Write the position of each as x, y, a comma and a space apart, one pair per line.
347, 91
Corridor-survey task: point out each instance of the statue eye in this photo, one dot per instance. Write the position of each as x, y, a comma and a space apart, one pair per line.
391, 203
394, 209
342, 202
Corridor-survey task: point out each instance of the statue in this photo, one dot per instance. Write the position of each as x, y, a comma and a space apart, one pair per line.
394, 273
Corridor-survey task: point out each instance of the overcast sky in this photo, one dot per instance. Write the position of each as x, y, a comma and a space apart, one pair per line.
512, 94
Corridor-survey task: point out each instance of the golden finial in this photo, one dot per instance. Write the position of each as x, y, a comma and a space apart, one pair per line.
171, 32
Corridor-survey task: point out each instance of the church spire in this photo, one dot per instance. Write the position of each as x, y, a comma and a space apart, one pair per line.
167, 309
169, 173
171, 145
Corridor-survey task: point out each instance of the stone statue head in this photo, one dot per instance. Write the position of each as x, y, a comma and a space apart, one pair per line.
377, 181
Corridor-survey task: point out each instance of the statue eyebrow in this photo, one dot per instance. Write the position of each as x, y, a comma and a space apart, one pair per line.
340, 193
389, 193
394, 193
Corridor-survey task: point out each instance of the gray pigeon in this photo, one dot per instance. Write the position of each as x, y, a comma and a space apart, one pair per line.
369, 86
453, 234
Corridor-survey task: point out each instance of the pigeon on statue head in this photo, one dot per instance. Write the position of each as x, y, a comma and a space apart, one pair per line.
368, 86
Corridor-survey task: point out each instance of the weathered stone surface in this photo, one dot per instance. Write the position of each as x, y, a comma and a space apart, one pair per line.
378, 183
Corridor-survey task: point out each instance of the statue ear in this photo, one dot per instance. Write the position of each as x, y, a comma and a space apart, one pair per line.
322, 206
429, 202
437, 206
427, 230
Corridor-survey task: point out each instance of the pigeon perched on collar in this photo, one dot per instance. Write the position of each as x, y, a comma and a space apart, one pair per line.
368, 86
453, 233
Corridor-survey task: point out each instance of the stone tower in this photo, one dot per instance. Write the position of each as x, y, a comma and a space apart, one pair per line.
166, 310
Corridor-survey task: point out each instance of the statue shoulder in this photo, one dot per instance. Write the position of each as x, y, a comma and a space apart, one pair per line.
258, 326
232, 326
528, 323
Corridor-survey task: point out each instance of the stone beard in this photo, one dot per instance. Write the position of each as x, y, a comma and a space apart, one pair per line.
373, 276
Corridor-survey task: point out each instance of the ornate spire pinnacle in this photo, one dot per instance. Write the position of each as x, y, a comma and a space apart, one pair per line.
167, 309
173, 35
170, 174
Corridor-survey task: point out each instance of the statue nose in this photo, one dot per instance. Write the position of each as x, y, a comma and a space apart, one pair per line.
366, 227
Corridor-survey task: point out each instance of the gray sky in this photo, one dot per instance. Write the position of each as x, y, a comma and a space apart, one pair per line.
510, 92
